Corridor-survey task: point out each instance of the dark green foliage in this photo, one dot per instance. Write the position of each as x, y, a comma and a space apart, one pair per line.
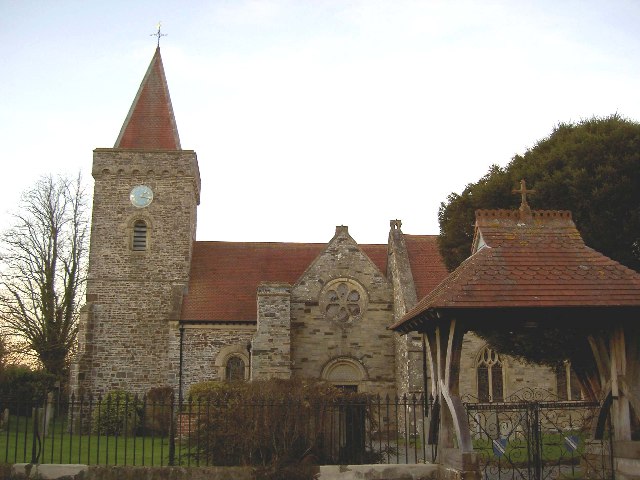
117, 413
275, 424
22, 386
157, 410
591, 168
212, 390
548, 343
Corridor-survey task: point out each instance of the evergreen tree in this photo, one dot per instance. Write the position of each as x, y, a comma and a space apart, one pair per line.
591, 168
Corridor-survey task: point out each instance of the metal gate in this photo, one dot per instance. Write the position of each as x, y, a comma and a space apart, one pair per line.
532, 438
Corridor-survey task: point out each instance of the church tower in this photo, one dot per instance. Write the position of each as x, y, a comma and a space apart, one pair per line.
146, 193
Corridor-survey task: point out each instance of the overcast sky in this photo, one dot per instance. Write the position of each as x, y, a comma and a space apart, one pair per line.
310, 114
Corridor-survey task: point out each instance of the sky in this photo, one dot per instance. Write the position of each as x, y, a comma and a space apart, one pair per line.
307, 114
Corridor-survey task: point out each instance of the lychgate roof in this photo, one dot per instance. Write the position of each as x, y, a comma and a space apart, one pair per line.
538, 260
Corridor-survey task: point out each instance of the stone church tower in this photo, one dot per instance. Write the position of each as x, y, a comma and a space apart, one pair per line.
143, 228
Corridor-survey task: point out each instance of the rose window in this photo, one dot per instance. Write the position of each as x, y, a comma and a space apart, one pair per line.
343, 301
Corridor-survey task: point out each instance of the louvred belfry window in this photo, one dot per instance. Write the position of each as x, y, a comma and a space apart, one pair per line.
139, 235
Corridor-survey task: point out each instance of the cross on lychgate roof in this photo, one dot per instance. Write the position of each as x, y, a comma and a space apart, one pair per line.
523, 192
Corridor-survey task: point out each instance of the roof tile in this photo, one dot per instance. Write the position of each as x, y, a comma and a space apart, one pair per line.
541, 262
225, 275
150, 124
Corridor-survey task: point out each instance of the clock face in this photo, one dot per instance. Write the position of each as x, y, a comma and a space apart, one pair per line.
141, 196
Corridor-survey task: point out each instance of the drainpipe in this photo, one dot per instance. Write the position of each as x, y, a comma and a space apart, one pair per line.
181, 363
425, 377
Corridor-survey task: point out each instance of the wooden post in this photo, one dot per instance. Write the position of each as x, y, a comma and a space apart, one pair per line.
620, 408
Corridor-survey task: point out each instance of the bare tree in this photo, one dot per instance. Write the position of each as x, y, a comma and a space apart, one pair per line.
44, 268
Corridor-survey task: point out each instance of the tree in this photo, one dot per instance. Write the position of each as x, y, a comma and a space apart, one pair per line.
591, 168
43, 270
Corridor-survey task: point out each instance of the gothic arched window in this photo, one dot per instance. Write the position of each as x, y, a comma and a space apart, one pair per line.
139, 235
234, 370
489, 372
567, 385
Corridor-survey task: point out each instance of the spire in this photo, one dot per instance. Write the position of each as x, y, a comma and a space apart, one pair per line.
150, 124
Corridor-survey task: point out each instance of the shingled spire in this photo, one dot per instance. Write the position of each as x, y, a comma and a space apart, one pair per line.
150, 124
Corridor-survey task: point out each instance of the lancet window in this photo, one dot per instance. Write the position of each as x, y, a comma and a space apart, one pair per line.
490, 376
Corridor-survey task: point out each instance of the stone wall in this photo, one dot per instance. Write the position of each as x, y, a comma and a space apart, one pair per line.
206, 349
271, 345
132, 295
348, 349
516, 375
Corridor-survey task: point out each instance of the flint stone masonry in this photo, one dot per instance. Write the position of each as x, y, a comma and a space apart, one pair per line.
203, 346
271, 345
133, 295
318, 340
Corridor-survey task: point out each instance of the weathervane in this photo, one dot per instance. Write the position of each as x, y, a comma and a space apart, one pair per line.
158, 34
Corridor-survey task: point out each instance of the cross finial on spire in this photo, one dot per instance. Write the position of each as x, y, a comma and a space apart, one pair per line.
158, 34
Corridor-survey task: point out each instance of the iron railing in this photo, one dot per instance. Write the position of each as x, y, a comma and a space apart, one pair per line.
136, 431
533, 436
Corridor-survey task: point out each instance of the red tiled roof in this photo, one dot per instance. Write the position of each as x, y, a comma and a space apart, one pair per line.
150, 124
427, 266
225, 275
539, 262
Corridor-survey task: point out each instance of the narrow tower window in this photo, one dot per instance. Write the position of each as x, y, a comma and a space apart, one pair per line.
140, 235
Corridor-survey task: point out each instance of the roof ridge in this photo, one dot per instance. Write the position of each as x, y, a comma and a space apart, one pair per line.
515, 214
301, 244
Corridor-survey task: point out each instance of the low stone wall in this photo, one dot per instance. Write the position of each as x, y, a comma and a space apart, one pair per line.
22, 471
379, 472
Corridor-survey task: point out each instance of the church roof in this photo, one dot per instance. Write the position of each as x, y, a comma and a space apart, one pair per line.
225, 275
427, 266
538, 260
150, 124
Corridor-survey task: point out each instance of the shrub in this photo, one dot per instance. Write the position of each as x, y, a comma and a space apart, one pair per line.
118, 413
275, 424
157, 410
21, 387
214, 391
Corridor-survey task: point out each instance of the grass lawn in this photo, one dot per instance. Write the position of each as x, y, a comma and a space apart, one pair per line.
554, 450
59, 446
